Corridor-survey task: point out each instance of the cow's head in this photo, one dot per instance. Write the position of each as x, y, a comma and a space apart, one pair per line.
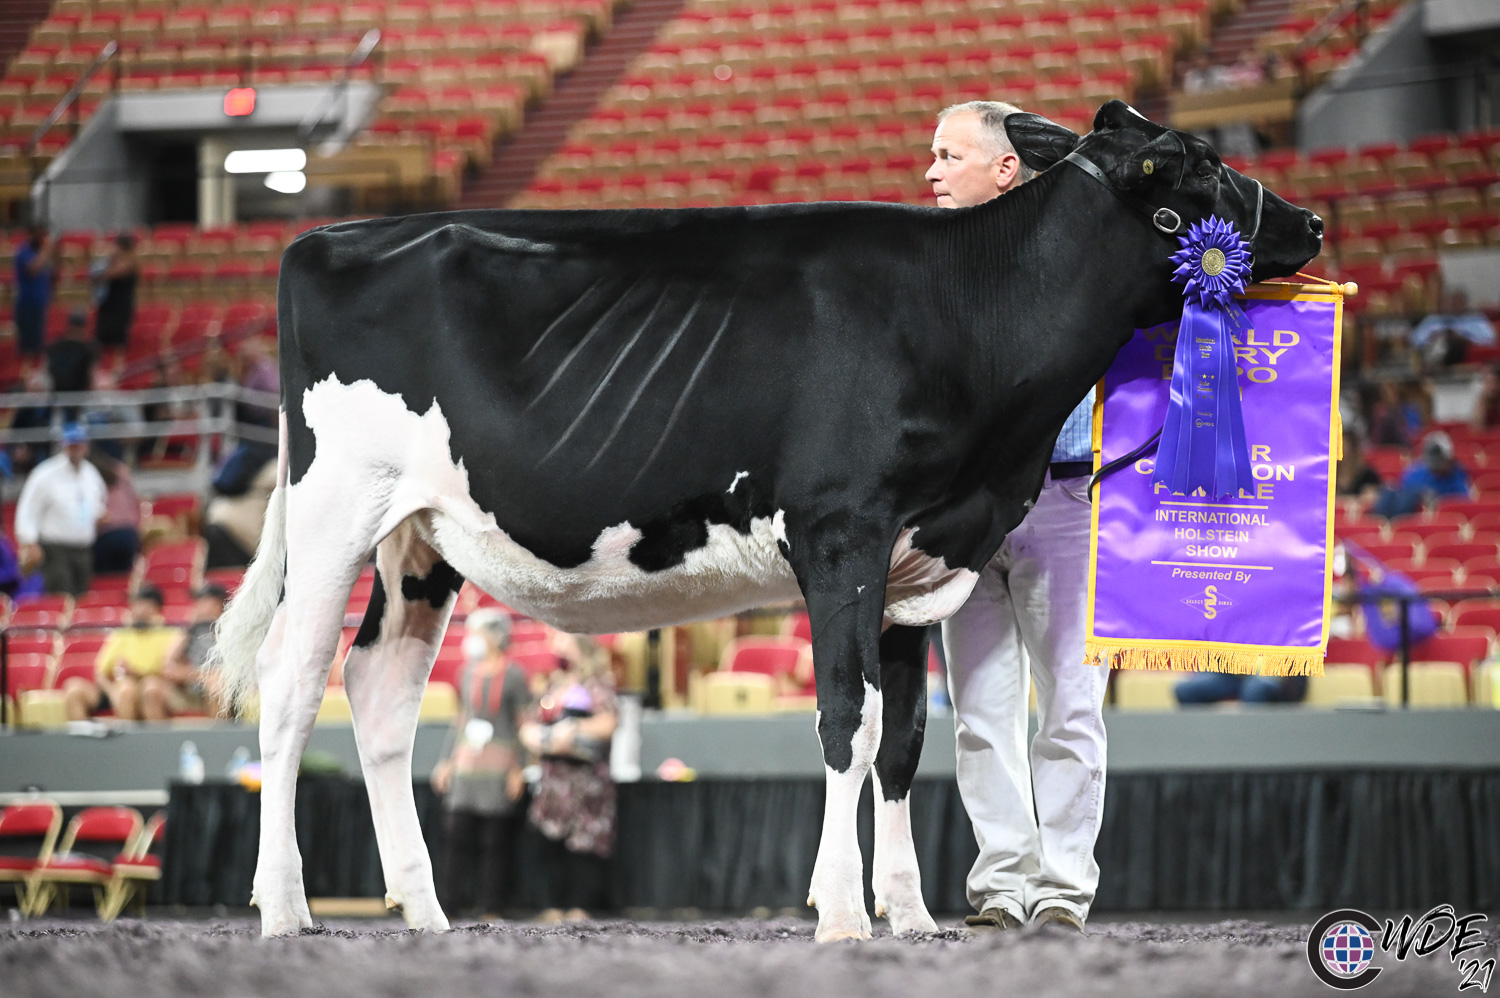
1154, 168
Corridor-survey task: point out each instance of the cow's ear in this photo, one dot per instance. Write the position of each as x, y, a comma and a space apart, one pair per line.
1039, 142
1118, 114
1160, 158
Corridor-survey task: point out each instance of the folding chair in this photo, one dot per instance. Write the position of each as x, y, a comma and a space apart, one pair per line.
64, 868
133, 870
34, 820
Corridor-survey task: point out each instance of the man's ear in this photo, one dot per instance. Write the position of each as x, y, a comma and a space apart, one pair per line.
1159, 159
1040, 143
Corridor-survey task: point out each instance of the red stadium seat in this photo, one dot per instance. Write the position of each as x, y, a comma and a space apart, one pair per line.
27, 672
174, 564
42, 612
1477, 613
1393, 550
134, 868
99, 827
28, 834
797, 625
31, 643
1451, 546
1437, 525
1467, 645
1355, 650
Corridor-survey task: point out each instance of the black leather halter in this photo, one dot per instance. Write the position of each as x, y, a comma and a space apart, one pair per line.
1165, 220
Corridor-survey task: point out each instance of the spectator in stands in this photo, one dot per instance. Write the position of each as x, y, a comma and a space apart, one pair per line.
130, 667
573, 803
232, 523
119, 539
1355, 477
1217, 687
1394, 420
1201, 75
1443, 338
115, 281
34, 380
35, 262
70, 360
1437, 474
193, 689
260, 373
57, 517
481, 772
1036, 816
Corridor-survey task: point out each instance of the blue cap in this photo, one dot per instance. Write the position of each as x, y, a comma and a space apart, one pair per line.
75, 433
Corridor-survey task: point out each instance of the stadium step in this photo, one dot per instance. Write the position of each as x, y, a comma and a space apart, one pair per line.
1233, 36
16, 19
516, 160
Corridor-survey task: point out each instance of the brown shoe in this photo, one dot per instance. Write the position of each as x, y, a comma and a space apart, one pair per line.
992, 920
1053, 919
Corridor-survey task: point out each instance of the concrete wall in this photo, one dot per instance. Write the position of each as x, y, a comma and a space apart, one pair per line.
102, 180
1358, 106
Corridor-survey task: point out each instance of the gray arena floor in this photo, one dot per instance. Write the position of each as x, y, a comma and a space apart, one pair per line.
635, 959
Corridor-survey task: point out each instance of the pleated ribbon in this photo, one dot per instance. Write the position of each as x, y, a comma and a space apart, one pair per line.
1203, 442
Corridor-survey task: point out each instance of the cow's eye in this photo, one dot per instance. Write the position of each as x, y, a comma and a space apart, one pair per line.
1207, 170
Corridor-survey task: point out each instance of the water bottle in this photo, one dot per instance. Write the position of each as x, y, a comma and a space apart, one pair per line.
238, 761
189, 764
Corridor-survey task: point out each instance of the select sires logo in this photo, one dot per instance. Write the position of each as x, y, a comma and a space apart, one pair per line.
1342, 946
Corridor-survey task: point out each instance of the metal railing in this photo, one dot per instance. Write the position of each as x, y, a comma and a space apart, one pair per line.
340, 90
69, 100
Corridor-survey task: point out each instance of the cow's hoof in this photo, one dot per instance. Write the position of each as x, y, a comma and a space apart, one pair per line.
425, 917
906, 919
283, 918
288, 923
838, 930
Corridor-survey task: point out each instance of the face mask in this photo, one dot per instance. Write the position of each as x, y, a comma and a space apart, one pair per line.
475, 647
140, 625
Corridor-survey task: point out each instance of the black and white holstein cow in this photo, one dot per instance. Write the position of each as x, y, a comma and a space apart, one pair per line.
617, 420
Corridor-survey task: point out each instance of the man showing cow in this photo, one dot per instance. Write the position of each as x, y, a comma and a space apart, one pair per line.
1035, 820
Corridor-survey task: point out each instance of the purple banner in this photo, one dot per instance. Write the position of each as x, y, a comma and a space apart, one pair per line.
1236, 584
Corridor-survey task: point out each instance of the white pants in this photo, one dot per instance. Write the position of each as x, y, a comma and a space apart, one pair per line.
1036, 819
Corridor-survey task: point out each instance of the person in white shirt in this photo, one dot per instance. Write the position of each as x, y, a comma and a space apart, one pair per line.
58, 516
1035, 817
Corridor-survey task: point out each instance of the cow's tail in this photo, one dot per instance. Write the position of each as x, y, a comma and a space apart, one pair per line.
246, 621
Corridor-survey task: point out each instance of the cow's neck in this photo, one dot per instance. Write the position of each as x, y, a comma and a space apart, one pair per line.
1049, 283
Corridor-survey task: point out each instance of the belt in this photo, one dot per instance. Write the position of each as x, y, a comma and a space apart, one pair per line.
1071, 469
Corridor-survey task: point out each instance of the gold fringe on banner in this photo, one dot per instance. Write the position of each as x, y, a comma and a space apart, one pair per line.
1166, 656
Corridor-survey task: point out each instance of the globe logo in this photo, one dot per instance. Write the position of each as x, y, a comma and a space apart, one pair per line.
1347, 949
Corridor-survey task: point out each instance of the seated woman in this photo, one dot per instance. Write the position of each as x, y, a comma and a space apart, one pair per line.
129, 667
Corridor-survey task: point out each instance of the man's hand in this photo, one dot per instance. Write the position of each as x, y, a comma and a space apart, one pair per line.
515, 783
442, 776
31, 557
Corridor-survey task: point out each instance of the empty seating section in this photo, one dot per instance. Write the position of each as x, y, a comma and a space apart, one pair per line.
1289, 38
459, 73
754, 102
1390, 209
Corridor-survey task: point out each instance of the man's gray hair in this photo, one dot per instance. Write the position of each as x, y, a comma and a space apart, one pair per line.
992, 115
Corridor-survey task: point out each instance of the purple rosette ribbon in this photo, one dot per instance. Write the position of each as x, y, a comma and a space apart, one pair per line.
1203, 437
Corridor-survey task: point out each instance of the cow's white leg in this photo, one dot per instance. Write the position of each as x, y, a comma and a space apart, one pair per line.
842, 569
385, 678
293, 671
896, 877
838, 887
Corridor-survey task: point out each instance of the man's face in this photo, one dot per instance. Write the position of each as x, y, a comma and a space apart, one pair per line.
144, 611
962, 173
76, 453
